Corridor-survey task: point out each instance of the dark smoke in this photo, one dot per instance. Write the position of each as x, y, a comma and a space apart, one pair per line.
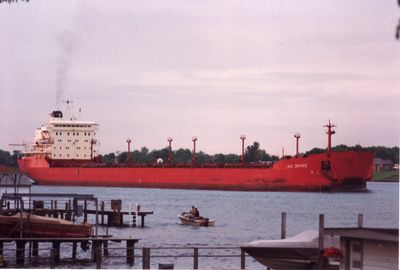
66, 42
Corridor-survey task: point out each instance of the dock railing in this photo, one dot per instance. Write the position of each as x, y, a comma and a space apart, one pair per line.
19, 252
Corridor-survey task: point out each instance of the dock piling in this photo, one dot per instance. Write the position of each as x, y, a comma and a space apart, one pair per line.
130, 252
242, 259
56, 254
321, 241
195, 258
105, 248
146, 258
35, 248
360, 219
283, 225
52, 259
98, 256
74, 247
20, 252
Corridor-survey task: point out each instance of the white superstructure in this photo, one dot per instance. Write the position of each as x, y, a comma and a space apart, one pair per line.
66, 138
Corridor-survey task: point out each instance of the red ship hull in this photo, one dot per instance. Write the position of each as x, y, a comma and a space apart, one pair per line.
337, 171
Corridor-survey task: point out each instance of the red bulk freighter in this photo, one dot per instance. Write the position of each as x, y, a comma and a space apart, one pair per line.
63, 154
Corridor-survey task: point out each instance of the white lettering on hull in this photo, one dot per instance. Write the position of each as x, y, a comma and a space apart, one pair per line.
297, 166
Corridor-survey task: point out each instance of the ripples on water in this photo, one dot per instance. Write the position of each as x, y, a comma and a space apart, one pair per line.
240, 216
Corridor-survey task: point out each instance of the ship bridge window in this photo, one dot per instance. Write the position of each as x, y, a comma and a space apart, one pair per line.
60, 133
77, 133
68, 133
89, 134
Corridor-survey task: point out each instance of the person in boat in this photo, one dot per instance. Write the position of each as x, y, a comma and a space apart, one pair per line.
193, 211
196, 213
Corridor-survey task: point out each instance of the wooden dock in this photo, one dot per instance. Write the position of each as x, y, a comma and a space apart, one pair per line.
96, 244
70, 209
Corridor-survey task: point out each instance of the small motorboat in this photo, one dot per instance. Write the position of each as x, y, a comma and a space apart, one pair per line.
39, 226
189, 219
296, 252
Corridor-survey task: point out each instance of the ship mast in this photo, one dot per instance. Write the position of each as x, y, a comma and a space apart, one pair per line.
194, 139
243, 137
169, 150
297, 136
330, 132
129, 151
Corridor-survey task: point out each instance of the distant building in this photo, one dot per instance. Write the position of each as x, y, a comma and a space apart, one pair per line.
383, 164
367, 248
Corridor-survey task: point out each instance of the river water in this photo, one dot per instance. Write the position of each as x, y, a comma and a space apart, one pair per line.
240, 217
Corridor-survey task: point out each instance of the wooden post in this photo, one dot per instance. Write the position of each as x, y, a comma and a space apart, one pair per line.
283, 225
85, 211
134, 219
74, 247
360, 220
146, 258
195, 258
130, 252
51, 204
98, 256
102, 212
55, 204
52, 259
95, 245
35, 248
56, 248
1, 247
142, 220
20, 252
105, 247
242, 259
321, 241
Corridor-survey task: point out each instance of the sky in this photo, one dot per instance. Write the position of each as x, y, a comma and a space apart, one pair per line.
149, 70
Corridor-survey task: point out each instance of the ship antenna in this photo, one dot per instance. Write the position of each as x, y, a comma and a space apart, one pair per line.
129, 151
194, 139
297, 136
330, 132
243, 137
69, 102
169, 139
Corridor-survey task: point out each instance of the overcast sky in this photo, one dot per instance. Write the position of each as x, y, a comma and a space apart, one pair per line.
148, 70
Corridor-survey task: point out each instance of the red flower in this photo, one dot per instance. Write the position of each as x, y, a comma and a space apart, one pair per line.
332, 252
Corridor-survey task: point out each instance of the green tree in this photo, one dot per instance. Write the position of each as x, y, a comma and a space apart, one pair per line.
183, 155
252, 152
